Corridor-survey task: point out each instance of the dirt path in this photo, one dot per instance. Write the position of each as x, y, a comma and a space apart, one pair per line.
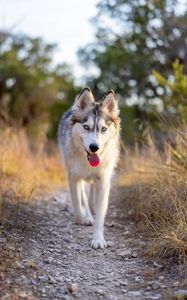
47, 256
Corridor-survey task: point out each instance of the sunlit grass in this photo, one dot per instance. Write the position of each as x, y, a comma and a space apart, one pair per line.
158, 197
23, 173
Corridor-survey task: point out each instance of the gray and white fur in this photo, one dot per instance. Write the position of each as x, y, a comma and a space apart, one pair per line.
88, 137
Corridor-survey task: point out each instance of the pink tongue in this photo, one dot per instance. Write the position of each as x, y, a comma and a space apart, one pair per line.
94, 160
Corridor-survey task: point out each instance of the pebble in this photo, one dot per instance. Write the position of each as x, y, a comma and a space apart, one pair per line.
142, 243
130, 212
72, 287
43, 278
163, 286
123, 283
2, 240
125, 253
52, 280
112, 224
176, 284
134, 254
127, 232
18, 265
10, 247
100, 292
161, 277
155, 285
110, 244
155, 264
155, 297
101, 276
134, 293
48, 260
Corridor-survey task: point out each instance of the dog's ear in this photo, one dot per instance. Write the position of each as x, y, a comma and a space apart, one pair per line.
110, 102
84, 99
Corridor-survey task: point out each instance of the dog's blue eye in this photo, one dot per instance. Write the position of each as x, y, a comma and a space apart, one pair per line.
86, 127
103, 129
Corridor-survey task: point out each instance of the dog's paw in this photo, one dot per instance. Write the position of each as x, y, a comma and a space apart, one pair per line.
88, 220
84, 220
98, 243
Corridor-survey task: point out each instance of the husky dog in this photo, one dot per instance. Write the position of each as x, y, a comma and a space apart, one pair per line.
88, 137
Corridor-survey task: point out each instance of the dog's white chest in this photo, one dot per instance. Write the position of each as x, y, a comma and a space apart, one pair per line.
79, 167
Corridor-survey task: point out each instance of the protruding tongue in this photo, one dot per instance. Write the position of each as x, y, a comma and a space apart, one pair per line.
93, 159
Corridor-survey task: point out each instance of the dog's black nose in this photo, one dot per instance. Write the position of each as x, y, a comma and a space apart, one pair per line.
93, 147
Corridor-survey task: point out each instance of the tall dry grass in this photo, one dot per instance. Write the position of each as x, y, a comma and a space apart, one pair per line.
157, 185
23, 173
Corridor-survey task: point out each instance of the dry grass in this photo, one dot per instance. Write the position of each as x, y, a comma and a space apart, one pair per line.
158, 196
23, 173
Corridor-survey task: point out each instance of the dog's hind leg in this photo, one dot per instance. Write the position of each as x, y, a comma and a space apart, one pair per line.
88, 218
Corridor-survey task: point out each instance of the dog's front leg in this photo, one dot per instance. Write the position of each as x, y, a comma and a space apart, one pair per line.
75, 191
102, 188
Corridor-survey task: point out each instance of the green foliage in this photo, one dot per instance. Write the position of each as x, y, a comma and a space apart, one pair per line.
30, 83
175, 99
132, 39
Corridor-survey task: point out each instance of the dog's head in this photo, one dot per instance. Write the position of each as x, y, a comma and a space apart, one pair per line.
95, 123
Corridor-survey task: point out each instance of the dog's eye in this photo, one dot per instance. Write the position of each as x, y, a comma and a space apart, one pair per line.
103, 129
86, 127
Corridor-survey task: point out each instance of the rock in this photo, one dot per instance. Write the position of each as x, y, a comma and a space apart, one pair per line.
110, 244
25, 295
72, 287
142, 243
34, 282
125, 253
11, 248
31, 264
123, 283
127, 232
155, 297
130, 212
18, 265
163, 286
48, 260
176, 284
161, 277
100, 292
2, 240
155, 285
134, 294
155, 264
52, 280
112, 224
57, 250
134, 254
137, 279
101, 276
43, 278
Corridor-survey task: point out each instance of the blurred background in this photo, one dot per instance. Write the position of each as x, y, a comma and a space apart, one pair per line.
49, 50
